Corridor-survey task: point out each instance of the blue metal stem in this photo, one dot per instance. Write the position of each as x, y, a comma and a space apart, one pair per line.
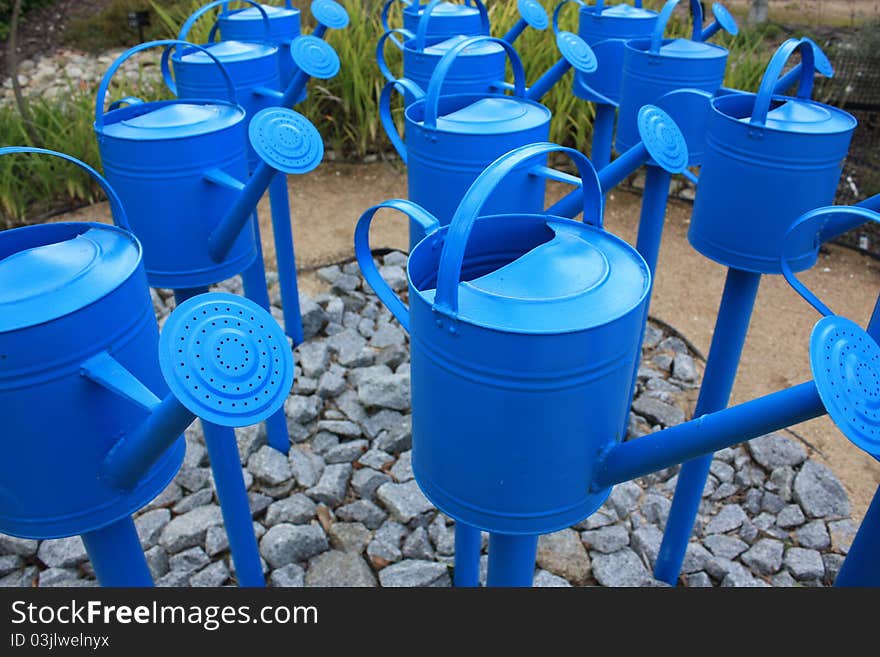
512, 560
707, 434
257, 290
294, 89
286, 257
467, 555
514, 32
545, 83
232, 495
117, 556
320, 30
228, 479
862, 564
603, 135
731, 327
653, 215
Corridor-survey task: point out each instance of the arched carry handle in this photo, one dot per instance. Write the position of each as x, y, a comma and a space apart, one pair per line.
663, 19
169, 79
600, 5
385, 9
561, 6
808, 51
385, 111
365, 256
455, 243
168, 43
435, 86
201, 11
116, 210
380, 49
422, 31
821, 217
128, 100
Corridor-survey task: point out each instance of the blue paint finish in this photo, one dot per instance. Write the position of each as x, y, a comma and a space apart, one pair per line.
512, 560
467, 555
862, 564
116, 555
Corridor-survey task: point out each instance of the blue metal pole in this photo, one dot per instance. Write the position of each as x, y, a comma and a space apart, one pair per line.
653, 215
603, 135
731, 327
546, 82
117, 556
257, 290
232, 495
512, 560
467, 555
229, 483
707, 434
286, 257
862, 564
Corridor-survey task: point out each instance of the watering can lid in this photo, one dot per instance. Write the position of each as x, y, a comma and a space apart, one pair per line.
688, 49
175, 119
627, 11
494, 115
806, 116
228, 51
447, 9
253, 14
582, 277
43, 283
479, 48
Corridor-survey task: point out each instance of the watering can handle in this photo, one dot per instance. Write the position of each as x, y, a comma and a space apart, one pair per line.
201, 11
561, 6
809, 52
116, 209
439, 76
108, 76
380, 49
663, 19
365, 256
820, 216
172, 86
385, 111
385, 9
422, 31
455, 243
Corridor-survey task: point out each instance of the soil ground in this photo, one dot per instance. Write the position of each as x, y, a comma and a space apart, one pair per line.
327, 203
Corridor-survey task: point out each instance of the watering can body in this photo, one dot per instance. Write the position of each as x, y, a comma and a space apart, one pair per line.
471, 131
647, 76
606, 29
523, 349
769, 159
156, 155
246, 25
71, 292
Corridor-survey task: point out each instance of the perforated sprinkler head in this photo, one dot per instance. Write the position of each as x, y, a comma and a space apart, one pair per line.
576, 52
846, 368
286, 140
226, 359
315, 57
662, 139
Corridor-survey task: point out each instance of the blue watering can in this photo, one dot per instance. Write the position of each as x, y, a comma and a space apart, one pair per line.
91, 431
769, 158
606, 29
246, 25
480, 65
179, 167
656, 66
567, 298
252, 66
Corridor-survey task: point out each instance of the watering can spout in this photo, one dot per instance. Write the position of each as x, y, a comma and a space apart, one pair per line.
329, 15
575, 54
531, 14
724, 20
313, 58
662, 144
285, 141
203, 339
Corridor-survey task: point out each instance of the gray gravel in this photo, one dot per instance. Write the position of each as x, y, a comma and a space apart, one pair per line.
343, 508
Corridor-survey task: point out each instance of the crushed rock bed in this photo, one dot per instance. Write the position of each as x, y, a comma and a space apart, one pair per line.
343, 508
